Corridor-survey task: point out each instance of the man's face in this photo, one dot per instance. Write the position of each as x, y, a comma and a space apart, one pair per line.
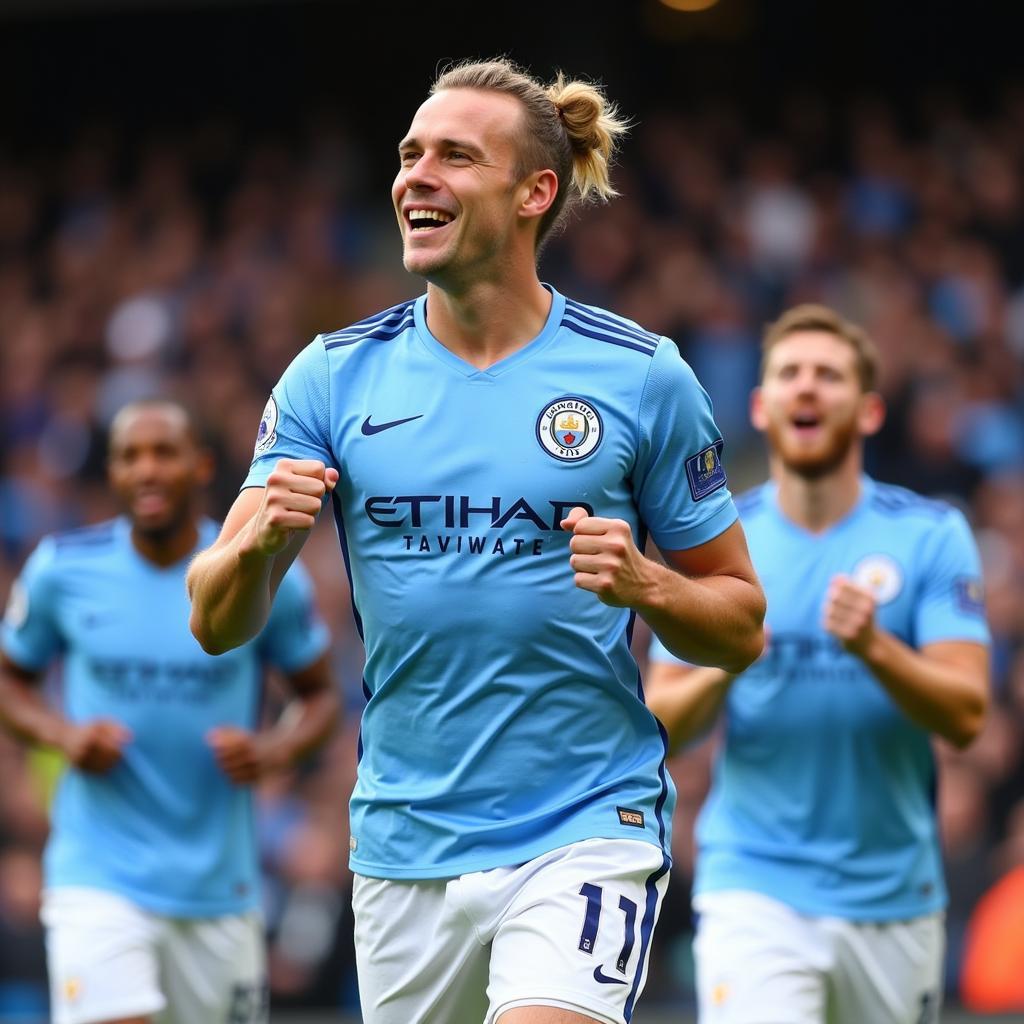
811, 404
455, 194
156, 467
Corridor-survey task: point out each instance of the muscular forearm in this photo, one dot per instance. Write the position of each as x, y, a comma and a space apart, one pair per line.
686, 700
949, 700
231, 588
711, 620
302, 728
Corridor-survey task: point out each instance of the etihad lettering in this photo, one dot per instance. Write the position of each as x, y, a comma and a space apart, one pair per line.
461, 512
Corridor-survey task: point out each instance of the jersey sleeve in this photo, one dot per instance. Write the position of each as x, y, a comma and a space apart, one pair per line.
951, 596
295, 635
679, 478
296, 420
31, 635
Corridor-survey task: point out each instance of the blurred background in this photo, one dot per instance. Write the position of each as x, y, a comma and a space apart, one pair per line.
190, 191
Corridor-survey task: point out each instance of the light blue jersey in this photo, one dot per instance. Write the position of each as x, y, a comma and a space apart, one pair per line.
504, 715
165, 828
823, 794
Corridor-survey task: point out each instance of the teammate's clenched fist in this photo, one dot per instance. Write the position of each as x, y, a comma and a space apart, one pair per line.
850, 614
95, 746
605, 558
292, 499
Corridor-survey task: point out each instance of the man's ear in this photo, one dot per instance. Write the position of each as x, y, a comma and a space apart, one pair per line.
871, 414
537, 192
757, 414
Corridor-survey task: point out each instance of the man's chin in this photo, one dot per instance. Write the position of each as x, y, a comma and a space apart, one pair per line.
155, 528
813, 466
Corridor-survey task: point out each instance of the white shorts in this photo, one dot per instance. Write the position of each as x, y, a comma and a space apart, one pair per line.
571, 928
761, 962
109, 959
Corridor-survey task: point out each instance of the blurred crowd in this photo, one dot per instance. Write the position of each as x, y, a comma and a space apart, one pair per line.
197, 263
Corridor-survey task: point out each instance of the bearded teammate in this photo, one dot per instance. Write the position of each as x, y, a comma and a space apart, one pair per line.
819, 876
495, 453
151, 876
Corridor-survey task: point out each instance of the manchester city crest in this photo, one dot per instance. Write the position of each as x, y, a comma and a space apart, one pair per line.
881, 575
569, 429
267, 433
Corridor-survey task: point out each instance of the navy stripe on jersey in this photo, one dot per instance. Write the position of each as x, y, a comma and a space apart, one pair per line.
100, 533
383, 328
603, 322
890, 498
395, 312
385, 333
339, 519
610, 339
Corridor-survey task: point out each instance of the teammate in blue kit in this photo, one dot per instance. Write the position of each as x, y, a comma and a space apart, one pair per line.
819, 876
151, 875
495, 454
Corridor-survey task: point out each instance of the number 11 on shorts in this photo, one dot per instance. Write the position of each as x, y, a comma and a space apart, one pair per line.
592, 921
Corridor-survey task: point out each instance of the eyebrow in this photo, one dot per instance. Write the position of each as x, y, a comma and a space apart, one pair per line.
413, 143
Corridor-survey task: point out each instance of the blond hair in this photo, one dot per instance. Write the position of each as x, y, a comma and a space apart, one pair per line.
813, 317
568, 126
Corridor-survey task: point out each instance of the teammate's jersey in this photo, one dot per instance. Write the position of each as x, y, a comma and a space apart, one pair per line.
504, 715
823, 792
165, 828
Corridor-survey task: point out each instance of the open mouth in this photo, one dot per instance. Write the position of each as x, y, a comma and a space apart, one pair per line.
806, 422
421, 221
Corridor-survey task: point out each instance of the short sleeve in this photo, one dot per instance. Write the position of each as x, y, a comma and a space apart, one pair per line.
296, 420
679, 478
951, 603
295, 635
31, 633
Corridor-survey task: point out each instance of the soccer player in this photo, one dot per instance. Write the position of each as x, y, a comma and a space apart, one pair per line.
819, 878
151, 874
496, 453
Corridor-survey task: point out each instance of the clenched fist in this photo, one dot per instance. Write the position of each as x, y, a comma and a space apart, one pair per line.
95, 746
242, 755
292, 499
605, 558
850, 614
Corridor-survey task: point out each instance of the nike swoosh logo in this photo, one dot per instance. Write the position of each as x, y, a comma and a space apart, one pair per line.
375, 428
600, 976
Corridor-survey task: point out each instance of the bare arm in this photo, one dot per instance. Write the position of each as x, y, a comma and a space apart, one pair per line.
304, 725
943, 687
90, 746
706, 606
232, 584
685, 699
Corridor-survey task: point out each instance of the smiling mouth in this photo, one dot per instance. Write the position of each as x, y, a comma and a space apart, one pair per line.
421, 221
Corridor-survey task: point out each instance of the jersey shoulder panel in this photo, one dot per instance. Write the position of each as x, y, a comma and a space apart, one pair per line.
750, 504
384, 326
86, 539
599, 325
894, 501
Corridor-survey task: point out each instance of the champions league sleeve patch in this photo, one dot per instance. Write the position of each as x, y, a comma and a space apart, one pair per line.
267, 434
970, 595
705, 471
16, 613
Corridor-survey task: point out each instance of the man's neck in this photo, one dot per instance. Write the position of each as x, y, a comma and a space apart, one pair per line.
488, 321
166, 549
818, 503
